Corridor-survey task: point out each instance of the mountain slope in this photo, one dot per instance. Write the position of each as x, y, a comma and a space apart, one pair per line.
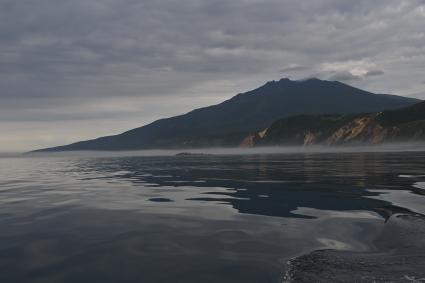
401, 125
227, 123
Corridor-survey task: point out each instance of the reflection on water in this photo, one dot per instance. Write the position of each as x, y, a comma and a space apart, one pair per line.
229, 218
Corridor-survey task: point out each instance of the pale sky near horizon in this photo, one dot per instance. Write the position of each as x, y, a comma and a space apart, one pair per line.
74, 70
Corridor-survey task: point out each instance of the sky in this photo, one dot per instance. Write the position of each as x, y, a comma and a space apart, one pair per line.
80, 69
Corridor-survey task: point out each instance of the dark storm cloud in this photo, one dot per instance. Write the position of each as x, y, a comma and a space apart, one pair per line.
91, 60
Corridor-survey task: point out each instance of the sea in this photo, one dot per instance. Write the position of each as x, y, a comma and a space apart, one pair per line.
227, 216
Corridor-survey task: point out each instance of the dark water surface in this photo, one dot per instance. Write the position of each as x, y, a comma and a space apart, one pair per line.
331, 217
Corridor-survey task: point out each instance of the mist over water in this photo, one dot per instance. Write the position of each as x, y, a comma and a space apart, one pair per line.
304, 214
394, 147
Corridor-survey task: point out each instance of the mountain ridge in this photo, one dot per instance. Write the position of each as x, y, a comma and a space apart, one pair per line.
227, 123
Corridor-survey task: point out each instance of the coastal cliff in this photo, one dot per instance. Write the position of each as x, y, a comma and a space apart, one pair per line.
402, 125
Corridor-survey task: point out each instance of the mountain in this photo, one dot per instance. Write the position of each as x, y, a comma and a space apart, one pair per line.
402, 125
227, 123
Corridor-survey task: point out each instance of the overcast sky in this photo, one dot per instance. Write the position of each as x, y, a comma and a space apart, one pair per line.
72, 70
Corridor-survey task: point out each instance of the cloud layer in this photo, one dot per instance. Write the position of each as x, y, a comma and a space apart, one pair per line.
104, 66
